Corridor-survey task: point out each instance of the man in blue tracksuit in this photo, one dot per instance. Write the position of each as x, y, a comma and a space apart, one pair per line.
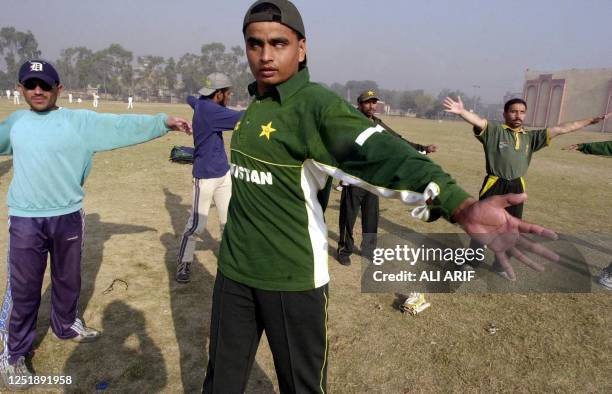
211, 178
52, 151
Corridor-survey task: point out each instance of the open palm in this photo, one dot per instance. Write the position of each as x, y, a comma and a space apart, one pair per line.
452, 106
489, 223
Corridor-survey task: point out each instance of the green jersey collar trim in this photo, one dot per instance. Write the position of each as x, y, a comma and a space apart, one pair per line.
517, 130
288, 88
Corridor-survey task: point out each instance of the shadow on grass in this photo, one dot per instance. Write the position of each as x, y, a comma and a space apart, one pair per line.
125, 357
5, 167
191, 307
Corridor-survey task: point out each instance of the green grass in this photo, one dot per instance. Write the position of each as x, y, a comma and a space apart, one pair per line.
156, 332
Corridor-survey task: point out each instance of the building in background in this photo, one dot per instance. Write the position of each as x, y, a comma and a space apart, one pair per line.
555, 97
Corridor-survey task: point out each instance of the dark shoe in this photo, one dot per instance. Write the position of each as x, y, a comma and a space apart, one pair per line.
183, 272
344, 259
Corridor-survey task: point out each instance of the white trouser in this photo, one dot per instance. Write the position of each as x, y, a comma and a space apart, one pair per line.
218, 190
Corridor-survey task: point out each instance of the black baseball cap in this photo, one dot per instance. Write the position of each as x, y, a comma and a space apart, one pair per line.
287, 15
39, 69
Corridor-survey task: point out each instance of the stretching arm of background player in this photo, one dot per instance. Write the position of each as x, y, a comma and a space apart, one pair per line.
421, 148
568, 127
457, 108
603, 148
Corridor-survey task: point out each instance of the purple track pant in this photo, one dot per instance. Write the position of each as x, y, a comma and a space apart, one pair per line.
31, 240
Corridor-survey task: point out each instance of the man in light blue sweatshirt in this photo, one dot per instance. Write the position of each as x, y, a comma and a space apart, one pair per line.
52, 152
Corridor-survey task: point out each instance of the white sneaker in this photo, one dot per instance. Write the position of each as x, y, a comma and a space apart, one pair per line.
17, 376
85, 334
605, 277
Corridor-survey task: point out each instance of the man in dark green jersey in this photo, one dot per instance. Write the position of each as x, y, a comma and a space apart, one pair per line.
272, 269
508, 149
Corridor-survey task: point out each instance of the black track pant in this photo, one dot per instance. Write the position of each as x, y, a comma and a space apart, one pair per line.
352, 200
295, 323
493, 186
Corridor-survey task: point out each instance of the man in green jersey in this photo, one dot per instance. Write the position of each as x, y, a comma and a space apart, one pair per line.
508, 149
272, 269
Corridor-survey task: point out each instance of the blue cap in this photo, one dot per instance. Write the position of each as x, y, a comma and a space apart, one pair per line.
39, 69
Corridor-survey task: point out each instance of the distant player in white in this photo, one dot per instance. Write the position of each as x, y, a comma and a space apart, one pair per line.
8, 94
95, 100
130, 102
70, 98
16, 97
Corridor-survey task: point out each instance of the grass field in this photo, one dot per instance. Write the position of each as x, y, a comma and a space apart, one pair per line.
156, 331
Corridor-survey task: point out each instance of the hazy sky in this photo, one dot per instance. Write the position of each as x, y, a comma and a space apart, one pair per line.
401, 44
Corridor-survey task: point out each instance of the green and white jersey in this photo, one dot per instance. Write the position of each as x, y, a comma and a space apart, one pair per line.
283, 151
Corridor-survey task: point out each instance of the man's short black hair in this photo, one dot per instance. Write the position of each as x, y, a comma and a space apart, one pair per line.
510, 103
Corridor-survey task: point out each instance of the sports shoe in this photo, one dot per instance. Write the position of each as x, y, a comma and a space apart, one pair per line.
16, 376
84, 333
183, 272
343, 259
605, 277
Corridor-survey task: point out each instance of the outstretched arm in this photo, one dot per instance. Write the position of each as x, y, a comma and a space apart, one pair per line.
603, 148
421, 148
457, 108
568, 127
103, 131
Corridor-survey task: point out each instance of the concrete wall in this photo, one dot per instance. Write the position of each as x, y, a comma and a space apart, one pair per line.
559, 96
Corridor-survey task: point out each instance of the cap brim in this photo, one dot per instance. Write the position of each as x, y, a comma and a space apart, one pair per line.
206, 91
369, 98
40, 76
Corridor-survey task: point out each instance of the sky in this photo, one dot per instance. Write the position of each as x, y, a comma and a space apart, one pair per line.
481, 47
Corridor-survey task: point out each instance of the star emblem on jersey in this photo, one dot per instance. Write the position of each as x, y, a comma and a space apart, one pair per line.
266, 130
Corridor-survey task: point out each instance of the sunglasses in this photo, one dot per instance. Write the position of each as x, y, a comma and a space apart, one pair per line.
31, 84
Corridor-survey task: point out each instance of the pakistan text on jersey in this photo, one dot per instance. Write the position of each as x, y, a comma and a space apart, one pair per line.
253, 176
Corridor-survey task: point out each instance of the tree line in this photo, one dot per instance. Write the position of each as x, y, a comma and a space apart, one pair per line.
117, 72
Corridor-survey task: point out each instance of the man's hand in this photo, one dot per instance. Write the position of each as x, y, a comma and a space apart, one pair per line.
489, 223
456, 107
178, 124
431, 148
571, 147
598, 119
452, 106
